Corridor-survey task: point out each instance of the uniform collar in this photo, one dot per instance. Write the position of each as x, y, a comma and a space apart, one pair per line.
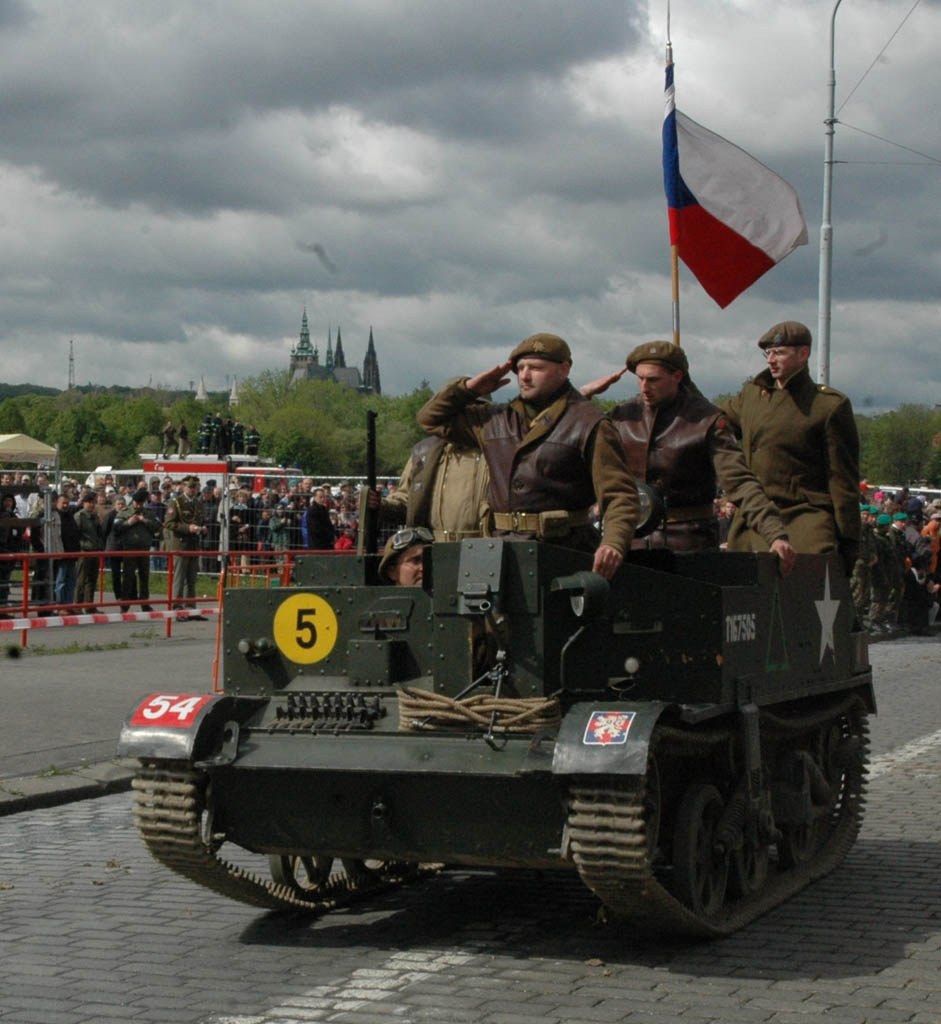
546, 418
766, 381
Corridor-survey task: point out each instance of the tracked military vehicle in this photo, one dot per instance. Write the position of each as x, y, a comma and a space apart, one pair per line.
691, 738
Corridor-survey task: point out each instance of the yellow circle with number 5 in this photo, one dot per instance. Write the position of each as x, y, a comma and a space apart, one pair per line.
305, 628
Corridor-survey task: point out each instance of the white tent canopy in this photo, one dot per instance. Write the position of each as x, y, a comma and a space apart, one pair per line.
21, 448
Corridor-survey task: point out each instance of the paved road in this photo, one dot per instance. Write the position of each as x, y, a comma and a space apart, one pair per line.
95, 932
67, 694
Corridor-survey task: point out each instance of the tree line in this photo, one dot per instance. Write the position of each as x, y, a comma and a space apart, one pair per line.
320, 426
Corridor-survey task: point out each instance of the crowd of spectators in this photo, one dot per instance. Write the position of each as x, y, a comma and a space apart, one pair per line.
896, 581
111, 517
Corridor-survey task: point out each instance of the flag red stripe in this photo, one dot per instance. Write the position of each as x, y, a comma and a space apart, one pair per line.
724, 263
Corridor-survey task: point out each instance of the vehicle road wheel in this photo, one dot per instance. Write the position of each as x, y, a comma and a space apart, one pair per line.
749, 867
361, 872
303, 875
701, 870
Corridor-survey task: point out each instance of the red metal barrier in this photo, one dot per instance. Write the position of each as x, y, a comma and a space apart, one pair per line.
261, 569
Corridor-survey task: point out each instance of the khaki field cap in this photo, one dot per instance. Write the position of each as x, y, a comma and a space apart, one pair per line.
664, 352
542, 346
789, 333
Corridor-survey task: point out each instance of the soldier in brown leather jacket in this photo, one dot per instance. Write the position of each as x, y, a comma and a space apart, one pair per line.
551, 453
683, 446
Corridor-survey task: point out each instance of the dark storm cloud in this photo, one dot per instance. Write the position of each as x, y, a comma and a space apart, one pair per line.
160, 105
180, 178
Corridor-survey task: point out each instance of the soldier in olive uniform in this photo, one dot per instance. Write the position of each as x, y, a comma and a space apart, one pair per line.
800, 440
866, 556
90, 539
551, 452
884, 573
184, 527
898, 566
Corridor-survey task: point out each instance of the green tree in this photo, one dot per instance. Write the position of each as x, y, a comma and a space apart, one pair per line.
128, 423
76, 431
11, 419
898, 445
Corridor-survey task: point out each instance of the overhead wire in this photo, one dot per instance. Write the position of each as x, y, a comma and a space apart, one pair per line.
927, 158
877, 56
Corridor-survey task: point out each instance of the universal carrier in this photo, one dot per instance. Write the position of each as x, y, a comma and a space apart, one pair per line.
691, 739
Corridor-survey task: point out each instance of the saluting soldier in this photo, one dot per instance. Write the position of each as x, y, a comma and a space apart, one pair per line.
683, 446
184, 526
551, 453
800, 440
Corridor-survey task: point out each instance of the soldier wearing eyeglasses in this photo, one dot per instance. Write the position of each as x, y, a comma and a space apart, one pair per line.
800, 440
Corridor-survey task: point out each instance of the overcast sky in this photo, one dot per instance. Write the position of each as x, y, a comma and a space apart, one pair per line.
178, 180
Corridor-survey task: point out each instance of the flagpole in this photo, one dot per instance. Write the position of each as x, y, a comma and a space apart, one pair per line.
826, 227
674, 249
675, 276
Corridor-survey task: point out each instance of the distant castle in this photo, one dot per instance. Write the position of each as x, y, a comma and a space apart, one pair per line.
305, 363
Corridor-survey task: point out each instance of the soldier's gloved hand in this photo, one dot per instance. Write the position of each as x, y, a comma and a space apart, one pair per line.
607, 561
785, 553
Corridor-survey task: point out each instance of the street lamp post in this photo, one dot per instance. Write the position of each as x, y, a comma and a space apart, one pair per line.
826, 227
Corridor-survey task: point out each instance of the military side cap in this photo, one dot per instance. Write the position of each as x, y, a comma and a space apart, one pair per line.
664, 352
884, 520
542, 346
140, 496
788, 333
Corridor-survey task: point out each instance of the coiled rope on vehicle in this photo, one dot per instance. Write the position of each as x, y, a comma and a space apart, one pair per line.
422, 709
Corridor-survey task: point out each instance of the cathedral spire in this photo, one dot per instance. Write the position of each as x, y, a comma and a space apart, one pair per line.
303, 345
339, 359
371, 368
329, 362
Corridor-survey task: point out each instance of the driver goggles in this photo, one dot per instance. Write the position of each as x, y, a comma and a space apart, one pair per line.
411, 535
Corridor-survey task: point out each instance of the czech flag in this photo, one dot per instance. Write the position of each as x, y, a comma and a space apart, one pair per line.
731, 218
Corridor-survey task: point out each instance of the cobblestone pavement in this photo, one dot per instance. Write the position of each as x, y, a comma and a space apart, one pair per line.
95, 931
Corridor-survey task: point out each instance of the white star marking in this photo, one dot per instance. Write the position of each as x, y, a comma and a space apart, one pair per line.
826, 612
